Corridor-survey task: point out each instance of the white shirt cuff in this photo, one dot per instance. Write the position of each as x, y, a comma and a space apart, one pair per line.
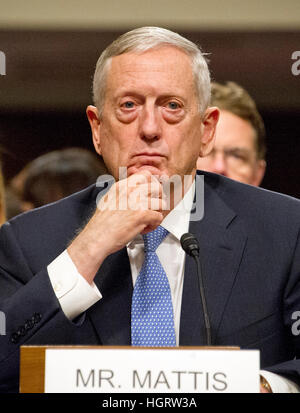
279, 384
74, 293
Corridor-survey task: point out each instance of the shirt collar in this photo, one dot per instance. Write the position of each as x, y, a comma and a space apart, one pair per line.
178, 220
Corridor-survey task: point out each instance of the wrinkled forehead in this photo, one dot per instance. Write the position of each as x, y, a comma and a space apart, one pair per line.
167, 66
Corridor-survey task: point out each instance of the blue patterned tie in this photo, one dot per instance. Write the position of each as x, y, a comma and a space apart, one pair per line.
152, 320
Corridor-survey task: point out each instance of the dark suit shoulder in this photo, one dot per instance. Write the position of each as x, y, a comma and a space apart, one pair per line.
240, 195
56, 222
260, 209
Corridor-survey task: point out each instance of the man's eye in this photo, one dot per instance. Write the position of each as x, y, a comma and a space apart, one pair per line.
238, 155
235, 154
128, 105
173, 105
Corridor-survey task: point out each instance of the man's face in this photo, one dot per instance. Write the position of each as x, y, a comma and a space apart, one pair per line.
234, 153
150, 118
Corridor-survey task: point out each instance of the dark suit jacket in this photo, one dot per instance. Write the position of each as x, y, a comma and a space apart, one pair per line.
250, 252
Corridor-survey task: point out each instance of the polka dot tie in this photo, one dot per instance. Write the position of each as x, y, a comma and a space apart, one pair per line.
152, 320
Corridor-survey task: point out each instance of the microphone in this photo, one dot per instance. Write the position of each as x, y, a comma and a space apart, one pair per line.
190, 245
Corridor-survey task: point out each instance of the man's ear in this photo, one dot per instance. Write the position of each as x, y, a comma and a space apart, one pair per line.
209, 123
259, 172
94, 120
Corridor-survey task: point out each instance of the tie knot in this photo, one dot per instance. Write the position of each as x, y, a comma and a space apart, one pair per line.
153, 239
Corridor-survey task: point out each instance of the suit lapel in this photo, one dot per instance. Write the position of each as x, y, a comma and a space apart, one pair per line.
112, 314
222, 241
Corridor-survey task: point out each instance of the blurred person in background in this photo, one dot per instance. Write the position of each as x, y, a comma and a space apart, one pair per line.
239, 150
55, 175
13, 204
2, 199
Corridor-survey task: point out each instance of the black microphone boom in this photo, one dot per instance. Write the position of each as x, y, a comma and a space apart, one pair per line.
190, 245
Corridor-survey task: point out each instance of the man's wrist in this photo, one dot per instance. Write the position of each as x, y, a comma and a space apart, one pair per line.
86, 262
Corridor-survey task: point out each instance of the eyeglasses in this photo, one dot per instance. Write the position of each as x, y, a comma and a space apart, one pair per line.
234, 158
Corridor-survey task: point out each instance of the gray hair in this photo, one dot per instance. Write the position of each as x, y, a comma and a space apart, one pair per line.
145, 38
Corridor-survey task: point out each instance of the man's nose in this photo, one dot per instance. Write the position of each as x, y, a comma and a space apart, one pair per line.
150, 125
219, 165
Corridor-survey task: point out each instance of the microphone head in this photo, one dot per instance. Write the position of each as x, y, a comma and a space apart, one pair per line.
190, 244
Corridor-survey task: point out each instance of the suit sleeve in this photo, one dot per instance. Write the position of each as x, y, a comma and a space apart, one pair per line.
291, 369
30, 308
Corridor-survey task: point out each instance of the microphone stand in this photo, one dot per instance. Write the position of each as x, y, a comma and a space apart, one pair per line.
203, 299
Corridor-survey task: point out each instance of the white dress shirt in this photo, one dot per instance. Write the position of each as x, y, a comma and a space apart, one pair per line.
76, 295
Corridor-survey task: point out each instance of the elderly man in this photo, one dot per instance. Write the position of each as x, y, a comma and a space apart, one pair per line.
239, 150
71, 273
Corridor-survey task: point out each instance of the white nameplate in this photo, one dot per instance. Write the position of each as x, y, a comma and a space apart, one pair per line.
132, 370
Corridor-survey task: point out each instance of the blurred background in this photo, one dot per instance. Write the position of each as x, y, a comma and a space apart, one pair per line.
51, 49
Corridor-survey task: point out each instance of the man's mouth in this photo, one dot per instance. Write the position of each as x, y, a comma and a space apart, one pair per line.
150, 154
142, 160
147, 158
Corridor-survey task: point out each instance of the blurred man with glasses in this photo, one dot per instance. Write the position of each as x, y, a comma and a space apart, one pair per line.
239, 150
